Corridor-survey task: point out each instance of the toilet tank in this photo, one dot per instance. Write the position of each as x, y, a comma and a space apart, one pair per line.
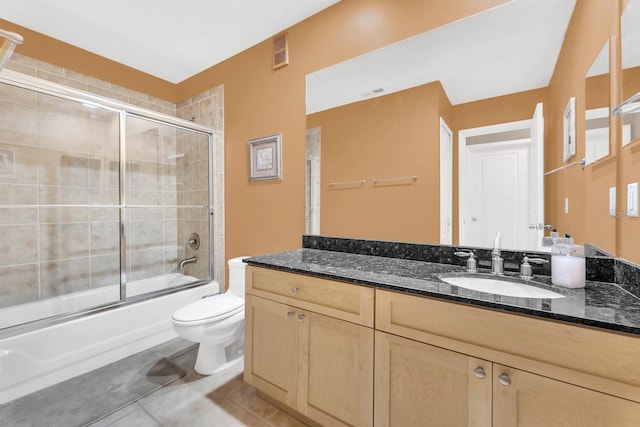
236, 275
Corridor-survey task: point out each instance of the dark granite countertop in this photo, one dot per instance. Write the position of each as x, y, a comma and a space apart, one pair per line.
599, 304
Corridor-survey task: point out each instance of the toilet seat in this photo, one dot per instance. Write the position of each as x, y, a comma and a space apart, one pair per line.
209, 309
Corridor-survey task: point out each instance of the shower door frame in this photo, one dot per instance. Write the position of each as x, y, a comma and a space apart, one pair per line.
123, 109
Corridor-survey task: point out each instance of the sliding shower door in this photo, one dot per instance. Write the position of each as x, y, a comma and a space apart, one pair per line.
59, 205
167, 205
100, 202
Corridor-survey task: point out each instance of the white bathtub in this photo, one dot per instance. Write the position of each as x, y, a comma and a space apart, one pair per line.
40, 358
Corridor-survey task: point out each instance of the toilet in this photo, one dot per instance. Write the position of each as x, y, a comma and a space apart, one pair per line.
216, 322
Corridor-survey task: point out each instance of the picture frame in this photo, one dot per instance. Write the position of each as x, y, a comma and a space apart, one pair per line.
265, 158
569, 130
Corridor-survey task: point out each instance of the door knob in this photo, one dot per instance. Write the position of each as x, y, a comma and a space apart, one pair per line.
504, 379
290, 314
295, 291
479, 373
300, 317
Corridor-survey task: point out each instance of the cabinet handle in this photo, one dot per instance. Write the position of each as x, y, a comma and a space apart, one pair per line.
295, 291
479, 373
300, 317
290, 314
504, 379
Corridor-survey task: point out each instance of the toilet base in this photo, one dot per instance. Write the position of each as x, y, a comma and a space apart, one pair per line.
214, 358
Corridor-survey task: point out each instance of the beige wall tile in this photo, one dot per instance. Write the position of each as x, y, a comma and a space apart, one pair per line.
17, 245
64, 277
63, 215
18, 284
105, 238
60, 79
61, 241
18, 123
105, 270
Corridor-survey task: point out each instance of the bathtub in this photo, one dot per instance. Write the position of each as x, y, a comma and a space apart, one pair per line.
43, 357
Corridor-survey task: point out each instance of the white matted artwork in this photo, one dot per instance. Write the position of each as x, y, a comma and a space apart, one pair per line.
7, 163
265, 158
569, 129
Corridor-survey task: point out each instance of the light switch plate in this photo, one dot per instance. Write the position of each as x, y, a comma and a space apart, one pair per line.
632, 200
612, 201
566, 205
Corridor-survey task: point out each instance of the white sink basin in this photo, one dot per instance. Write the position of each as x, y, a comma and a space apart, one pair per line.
500, 286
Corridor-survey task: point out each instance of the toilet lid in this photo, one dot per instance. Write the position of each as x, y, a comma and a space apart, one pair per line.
215, 306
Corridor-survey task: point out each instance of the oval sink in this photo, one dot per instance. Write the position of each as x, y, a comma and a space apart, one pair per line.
498, 285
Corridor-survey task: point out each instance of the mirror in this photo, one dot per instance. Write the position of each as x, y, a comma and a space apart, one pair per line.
386, 118
596, 134
629, 155
631, 67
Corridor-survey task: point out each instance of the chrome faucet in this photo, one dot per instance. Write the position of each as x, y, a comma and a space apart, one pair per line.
497, 262
186, 261
472, 265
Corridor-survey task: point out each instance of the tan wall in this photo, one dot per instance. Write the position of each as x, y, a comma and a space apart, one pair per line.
396, 135
592, 23
64, 55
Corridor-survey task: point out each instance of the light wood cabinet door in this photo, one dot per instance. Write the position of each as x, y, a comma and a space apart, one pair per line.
522, 399
335, 371
418, 384
270, 348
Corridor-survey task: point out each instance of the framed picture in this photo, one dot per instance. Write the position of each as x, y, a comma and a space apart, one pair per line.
569, 130
265, 158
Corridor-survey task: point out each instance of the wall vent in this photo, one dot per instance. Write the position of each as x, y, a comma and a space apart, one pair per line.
280, 51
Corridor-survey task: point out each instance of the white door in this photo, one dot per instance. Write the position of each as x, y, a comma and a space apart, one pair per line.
446, 184
497, 196
501, 185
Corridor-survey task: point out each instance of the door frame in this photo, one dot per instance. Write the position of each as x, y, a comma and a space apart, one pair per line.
446, 173
463, 159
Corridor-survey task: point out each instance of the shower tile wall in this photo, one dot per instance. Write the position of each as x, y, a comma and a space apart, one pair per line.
207, 109
51, 251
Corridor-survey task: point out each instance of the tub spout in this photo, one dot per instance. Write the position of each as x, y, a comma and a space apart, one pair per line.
186, 261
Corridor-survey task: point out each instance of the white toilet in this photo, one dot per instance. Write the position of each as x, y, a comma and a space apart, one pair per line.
216, 322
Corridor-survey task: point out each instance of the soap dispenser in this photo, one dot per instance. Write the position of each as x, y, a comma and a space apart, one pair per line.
567, 263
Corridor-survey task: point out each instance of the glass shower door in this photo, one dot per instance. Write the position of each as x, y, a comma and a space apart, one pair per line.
167, 205
59, 205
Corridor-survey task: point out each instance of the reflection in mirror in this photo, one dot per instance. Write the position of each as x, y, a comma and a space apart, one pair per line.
631, 68
628, 223
382, 115
597, 107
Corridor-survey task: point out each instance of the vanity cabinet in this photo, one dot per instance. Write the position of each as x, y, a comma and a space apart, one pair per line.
417, 384
523, 371
309, 345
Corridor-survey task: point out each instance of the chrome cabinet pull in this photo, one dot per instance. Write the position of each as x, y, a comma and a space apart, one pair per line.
290, 314
504, 379
479, 373
295, 291
300, 317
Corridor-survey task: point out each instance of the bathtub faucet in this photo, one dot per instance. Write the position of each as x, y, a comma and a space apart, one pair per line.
186, 261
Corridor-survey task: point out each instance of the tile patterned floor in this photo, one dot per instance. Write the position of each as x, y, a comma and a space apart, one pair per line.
222, 399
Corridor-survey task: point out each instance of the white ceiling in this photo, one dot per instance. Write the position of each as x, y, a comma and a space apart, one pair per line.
508, 49
169, 39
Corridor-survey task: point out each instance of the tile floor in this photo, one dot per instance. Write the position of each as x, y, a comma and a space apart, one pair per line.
222, 399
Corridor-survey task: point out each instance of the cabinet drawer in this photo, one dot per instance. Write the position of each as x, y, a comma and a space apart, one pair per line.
341, 300
592, 358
